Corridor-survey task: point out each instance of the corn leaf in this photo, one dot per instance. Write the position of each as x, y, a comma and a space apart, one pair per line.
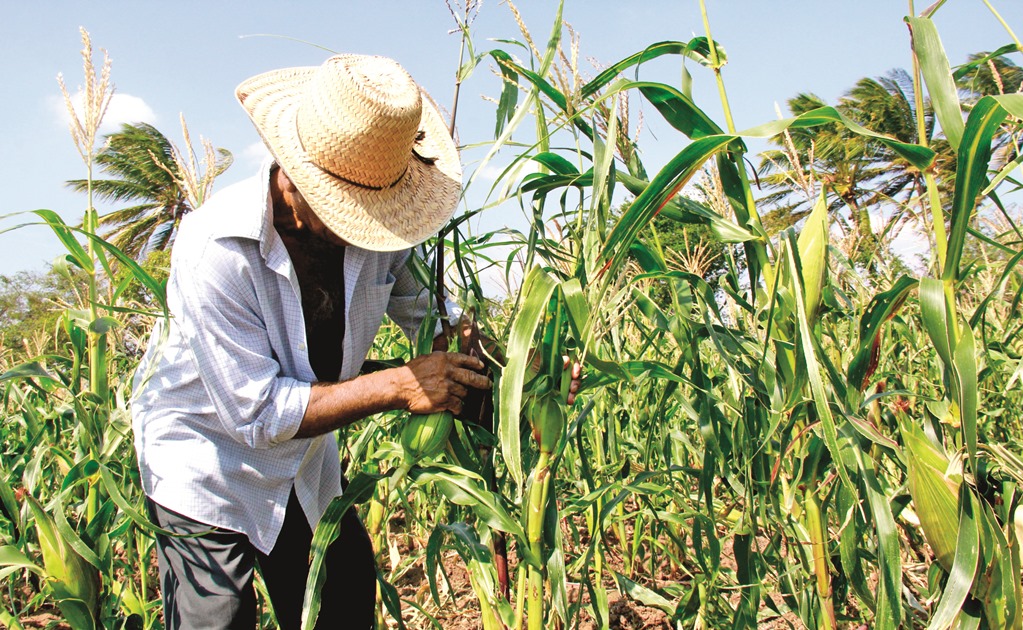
882, 308
482, 573
678, 110
971, 174
462, 489
536, 292
918, 156
15, 560
664, 186
964, 565
65, 234
695, 49
644, 595
889, 591
938, 77
359, 490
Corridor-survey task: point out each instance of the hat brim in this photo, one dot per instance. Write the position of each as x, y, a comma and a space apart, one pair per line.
389, 219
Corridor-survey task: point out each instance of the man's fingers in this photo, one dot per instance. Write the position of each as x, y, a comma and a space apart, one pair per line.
473, 379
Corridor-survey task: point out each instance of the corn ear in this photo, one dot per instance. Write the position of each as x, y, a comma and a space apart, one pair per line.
547, 419
73, 581
935, 494
422, 436
426, 436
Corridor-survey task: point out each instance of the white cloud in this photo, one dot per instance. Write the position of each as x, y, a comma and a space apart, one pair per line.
123, 108
254, 154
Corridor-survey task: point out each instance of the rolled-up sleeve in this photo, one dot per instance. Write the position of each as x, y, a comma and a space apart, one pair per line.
220, 317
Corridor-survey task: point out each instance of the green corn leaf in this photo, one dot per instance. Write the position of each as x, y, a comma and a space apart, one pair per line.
536, 292
973, 157
65, 234
963, 70
75, 611
103, 325
964, 565
72, 540
359, 490
813, 256
113, 488
461, 488
691, 49
889, 590
955, 345
918, 156
603, 170
938, 77
644, 595
555, 163
688, 210
882, 308
482, 574
32, 369
664, 186
935, 494
391, 599
935, 314
509, 91
677, 109
578, 310
967, 388
12, 557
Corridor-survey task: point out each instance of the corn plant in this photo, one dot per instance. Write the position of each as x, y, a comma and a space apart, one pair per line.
784, 411
72, 503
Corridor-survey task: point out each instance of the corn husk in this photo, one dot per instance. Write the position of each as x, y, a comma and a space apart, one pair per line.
935, 493
73, 581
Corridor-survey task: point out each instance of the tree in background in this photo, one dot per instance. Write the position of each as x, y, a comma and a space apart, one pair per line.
859, 172
863, 174
32, 304
147, 171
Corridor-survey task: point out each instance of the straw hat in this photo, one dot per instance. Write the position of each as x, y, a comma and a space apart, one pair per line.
365, 146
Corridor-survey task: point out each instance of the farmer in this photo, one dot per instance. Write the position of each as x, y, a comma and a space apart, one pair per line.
278, 286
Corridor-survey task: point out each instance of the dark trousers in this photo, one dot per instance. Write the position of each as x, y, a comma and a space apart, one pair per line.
206, 581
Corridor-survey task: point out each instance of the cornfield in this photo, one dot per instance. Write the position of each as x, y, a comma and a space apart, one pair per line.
804, 440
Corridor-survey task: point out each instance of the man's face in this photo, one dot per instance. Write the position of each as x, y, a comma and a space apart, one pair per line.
304, 216
304, 213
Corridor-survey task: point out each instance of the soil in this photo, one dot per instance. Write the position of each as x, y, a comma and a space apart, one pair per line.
459, 608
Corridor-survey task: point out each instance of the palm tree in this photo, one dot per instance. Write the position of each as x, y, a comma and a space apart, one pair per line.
859, 171
147, 171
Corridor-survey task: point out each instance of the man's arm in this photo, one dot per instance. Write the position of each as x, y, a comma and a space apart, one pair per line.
434, 382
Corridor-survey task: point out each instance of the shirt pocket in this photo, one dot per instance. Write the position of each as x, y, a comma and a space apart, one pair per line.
365, 315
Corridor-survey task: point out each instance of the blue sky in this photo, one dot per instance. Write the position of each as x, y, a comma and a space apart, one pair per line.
186, 57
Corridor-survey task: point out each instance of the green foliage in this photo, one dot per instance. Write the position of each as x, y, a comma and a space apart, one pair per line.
31, 306
146, 171
771, 439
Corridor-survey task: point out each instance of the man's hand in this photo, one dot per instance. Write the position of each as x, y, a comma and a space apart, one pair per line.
440, 381
577, 373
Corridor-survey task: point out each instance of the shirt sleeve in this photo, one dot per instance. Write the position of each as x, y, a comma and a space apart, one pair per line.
410, 301
221, 319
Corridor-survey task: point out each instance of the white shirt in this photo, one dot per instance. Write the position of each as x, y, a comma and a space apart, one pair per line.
223, 386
